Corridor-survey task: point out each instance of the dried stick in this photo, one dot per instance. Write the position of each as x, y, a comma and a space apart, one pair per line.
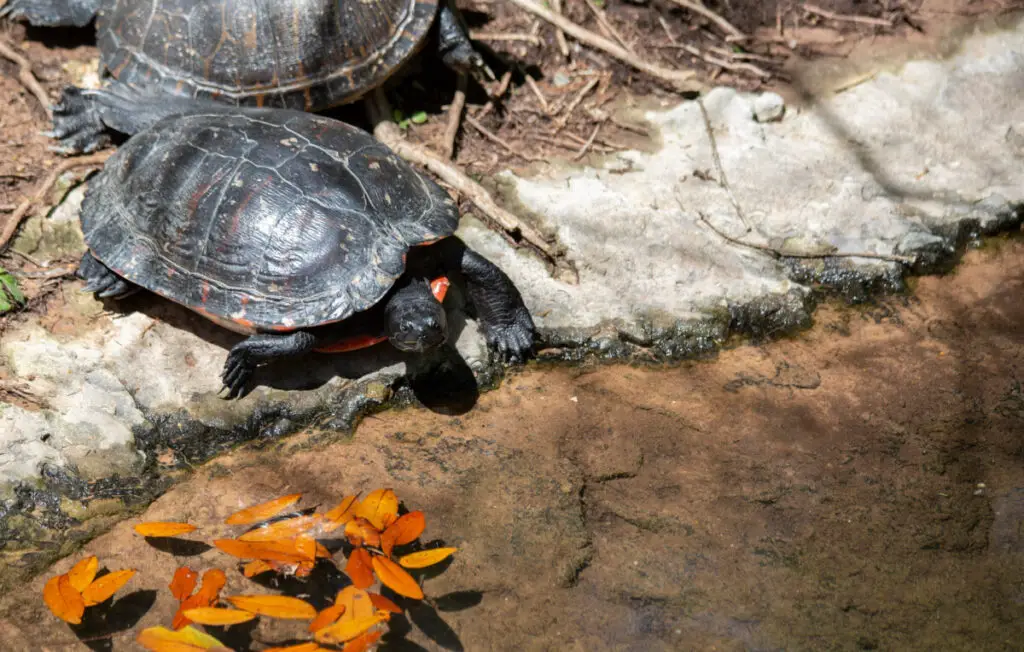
715, 61
506, 79
722, 179
25, 76
575, 103
698, 8
540, 96
451, 131
387, 132
501, 36
679, 79
22, 210
825, 13
563, 46
590, 141
493, 137
606, 26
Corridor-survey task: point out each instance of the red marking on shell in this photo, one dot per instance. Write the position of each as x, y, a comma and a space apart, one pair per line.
231, 325
427, 243
206, 292
351, 344
197, 196
439, 287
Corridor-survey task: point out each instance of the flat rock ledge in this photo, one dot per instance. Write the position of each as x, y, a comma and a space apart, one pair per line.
910, 164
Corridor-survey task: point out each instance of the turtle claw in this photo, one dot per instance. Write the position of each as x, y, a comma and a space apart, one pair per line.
512, 342
77, 124
237, 371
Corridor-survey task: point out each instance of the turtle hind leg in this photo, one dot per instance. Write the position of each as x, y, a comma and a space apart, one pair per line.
245, 356
454, 45
52, 13
100, 280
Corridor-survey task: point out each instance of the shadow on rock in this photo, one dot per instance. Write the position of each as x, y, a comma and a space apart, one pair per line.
178, 547
235, 637
103, 620
445, 383
319, 588
458, 600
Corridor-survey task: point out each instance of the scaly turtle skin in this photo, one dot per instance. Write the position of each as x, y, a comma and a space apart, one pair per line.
300, 54
298, 230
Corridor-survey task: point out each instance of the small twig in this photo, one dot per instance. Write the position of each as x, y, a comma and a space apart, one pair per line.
664, 26
26, 77
575, 103
698, 8
387, 132
572, 146
606, 25
493, 137
47, 273
563, 46
506, 79
503, 36
715, 61
536, 91
636, 129
590, 141
680, 79
831, 15
451, 131
722, 179
22, 210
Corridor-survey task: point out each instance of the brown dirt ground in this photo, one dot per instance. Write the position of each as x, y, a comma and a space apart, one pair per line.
859, 486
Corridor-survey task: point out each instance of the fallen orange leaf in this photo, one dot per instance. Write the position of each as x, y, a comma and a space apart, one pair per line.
380, 508
392, 576
163, 529
361, 532
327, 617
263, 511
322, 551
255, 567
359, 568
301, 647
183, 583
63, 600
356, 601
346, 630
304, 569
426, 557
189, 639
275, 606
362, 642
217, 616
106, 586
405, 530
213, 581
285, 529
83, 573
340, 515
287, 550
382, 603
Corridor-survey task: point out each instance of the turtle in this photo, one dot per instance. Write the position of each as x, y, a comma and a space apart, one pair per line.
297, 230
300, 54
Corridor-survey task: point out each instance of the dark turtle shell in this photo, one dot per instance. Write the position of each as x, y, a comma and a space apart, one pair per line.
262, 219
299, 54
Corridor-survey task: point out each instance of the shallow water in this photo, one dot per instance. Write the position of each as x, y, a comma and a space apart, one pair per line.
859, 486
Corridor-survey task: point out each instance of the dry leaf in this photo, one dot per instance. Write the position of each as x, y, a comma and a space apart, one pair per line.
163, 529
356, 601
304, 569
301, 647
405, 530
275, 606
362, 642
161, 639
285, 529
341, 514
322, 551
106, 586
426, 557
183, 583
392, 576
83, 573
63, 600
218, 616
327, 617
346, 630
380, 508
361, 532
286, 551
382, 603
263, 511
255, 567
359, 568
213, 581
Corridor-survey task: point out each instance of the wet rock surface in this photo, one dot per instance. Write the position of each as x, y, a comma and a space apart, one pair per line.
856, 486
912, 163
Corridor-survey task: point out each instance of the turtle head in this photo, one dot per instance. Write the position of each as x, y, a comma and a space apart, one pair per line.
416, 320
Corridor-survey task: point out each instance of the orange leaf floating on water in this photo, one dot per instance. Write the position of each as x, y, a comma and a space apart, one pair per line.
83, 573
426, 557
263, 511
361, 532
285, 529
183, 583
106, 586
405, 530
189, 639
380, 508
356, 601
286, 551
382, 603
359, 568
255, 567
275, 606
63, 600
322, 551
217, 616
346, 630
163, 529
340, 515
327, 617
301, 647
213, 581
392, 576
362, 642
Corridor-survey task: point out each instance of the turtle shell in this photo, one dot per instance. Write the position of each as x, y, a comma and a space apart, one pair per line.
262, 219
300, 54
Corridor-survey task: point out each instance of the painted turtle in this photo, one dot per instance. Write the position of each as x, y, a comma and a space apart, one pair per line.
298, 54
298, 230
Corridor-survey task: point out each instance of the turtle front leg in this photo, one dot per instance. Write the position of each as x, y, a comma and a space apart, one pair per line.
248, 354
52, 13
454, 45
103, 281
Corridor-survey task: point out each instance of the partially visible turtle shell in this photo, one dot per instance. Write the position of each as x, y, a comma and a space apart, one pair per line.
262, 220
300, 54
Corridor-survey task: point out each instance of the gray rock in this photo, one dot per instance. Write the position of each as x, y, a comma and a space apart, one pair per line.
769, 107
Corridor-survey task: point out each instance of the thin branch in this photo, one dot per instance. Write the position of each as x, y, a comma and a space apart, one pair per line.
715, 61
25, 76
493, 137
536, 91
722, 179
590, 141
22, 210
503, 36
606, 26
831, 15
575, 103
506, 79
563, 46
698, 8
451, 131
682, 80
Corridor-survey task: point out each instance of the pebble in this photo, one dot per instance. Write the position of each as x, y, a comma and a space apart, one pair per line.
769, 107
